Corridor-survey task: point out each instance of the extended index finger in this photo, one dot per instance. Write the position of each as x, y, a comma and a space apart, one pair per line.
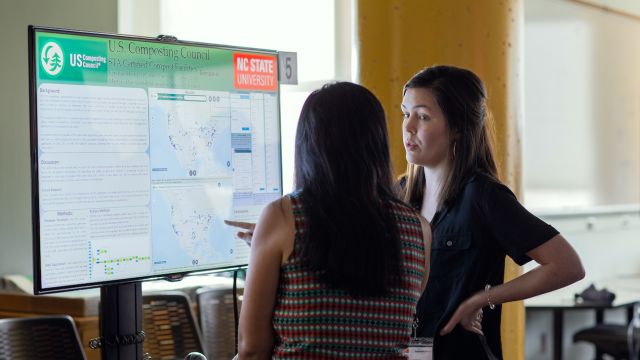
241, 224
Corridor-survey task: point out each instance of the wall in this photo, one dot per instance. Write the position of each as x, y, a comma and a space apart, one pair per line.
15, 176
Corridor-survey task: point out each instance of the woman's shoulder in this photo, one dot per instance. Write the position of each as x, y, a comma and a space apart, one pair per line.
278, 211
481, 184
275, 228
482, 178
486, 193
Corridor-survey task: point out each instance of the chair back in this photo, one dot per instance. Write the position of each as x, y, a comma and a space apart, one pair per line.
170, 327
215, 306
42, 338
616, 340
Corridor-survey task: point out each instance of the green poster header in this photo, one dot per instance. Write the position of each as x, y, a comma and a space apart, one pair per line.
124, 62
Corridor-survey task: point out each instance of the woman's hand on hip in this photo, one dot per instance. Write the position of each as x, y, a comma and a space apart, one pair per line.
468, 315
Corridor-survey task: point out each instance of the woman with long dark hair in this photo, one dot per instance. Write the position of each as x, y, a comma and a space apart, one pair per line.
336, 267
452, 180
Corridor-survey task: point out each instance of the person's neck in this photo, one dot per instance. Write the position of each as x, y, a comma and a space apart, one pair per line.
435, 177
434, 182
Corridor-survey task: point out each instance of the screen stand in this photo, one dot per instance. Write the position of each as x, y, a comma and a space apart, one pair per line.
121, 321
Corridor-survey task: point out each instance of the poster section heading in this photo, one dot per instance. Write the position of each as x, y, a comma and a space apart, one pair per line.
131, 63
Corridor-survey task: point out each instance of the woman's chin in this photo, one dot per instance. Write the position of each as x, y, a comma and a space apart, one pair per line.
412, 159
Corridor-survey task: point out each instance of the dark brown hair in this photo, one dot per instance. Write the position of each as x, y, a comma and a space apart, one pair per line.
343, 173
462, 97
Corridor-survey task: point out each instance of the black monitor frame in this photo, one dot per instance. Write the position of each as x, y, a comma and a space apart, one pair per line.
161, 39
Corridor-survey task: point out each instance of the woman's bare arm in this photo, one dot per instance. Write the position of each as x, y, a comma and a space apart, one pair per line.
272, 241
559, 266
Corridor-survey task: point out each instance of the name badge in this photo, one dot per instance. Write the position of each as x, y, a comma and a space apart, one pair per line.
420, 349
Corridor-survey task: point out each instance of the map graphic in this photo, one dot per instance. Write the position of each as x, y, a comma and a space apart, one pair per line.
191, 176
188, 225
190, 134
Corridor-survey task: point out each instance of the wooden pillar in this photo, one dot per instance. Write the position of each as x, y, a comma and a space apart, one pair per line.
396, 38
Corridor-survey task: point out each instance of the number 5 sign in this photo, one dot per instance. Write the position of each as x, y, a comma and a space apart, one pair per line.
288, 66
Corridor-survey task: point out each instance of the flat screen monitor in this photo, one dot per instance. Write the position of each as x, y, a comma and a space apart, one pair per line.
140, 148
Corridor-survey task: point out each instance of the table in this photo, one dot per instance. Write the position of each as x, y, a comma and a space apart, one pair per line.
626, 288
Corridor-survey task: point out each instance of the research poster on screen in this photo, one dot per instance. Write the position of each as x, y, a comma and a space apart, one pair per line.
144, 148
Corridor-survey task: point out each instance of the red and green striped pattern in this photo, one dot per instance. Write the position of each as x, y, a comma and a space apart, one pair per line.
313, 321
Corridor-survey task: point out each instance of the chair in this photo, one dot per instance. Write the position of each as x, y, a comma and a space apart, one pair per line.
170, 327
608, 339
42, 338
217, 321
612, 339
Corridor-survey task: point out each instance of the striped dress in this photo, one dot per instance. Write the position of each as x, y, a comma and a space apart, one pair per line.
313, 321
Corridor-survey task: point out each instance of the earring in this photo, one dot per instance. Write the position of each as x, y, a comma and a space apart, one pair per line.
454, 149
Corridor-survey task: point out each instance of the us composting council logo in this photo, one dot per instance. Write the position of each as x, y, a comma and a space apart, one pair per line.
51, 58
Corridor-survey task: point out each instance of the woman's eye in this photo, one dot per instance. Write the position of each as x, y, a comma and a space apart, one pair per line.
423, 117
405, 115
